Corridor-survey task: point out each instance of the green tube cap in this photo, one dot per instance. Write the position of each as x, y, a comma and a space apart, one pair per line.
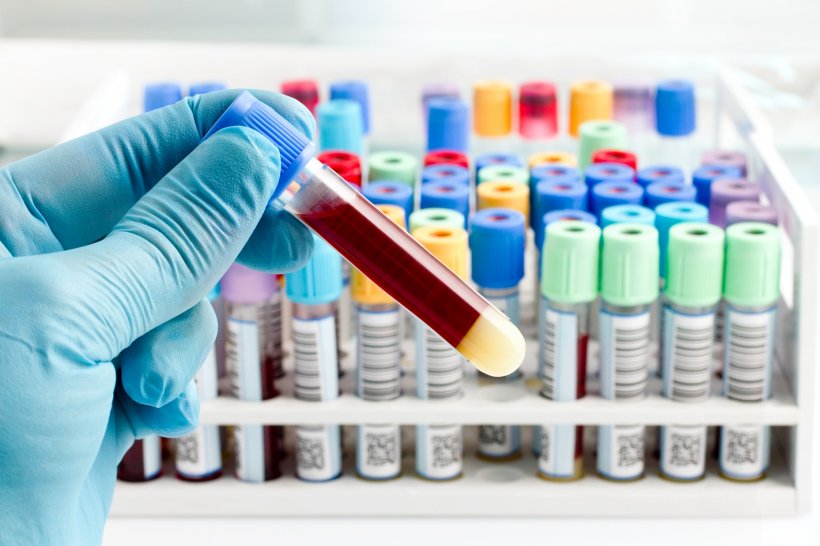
395, 166
436, 217
752, 277
570, 262
694, 270
503, 173
629, 265
597, 135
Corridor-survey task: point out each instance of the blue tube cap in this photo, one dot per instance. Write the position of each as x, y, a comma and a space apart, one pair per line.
607, 194
295, 150
496, 159
559, 216
448, 124
497, 239
556, 195
555, 173
675, 108
446, 195
388, 192
340, 126
669, 214
659, 173
445, 173
205, 87
703, 177
158, 95
608, 172
355, 90
320, 280
627, 214
668, 192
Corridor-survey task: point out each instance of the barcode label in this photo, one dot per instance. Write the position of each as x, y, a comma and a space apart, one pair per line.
499, 440
747, 355
242, 359
744, 451
270, 328
439, 366
624, 355
621, 451
206, 377
560, 353
688, 341
198, 454
318, 452
249, 447
683, 451
378, 451
439, 451
315, 359
379, 355
558, 457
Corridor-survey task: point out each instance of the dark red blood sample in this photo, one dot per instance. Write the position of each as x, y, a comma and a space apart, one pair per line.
132, 465
268, 377
401, 267
446, 157
274, 451
583, 341
616, 156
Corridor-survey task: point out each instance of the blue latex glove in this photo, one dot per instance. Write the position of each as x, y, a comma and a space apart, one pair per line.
102, 285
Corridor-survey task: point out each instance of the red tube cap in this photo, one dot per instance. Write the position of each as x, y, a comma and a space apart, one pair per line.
537, 110
446, 157
305, 91
616, 156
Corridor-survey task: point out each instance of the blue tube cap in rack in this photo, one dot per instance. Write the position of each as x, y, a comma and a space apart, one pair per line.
340, 126
387, 192
158, 95
497, 239
448, 125
320, 280
659, 173
496, 159
565, 215
555, 173
627, 214
446, 195
667, 192
551, 195
607, 194
703, 177
445, 173
295, 150
355, 90
675, 108
205, 87
608, 172
669, 214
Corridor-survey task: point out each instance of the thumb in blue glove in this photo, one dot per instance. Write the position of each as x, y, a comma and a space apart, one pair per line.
99, 341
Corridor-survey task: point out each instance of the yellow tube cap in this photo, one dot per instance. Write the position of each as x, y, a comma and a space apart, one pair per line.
448, 244
505, 195
492, 109
589, 100
552, 157
362, 289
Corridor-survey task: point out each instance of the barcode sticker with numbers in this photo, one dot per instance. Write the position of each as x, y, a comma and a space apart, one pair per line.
378, 451
315, 359
560, 353
318, 452
499, 440
379, 355
198, 453
744, 451
242, 356
683, 451
439, 366
687, 355
748, 347
624, 355
439, 451
621, 451
557, 456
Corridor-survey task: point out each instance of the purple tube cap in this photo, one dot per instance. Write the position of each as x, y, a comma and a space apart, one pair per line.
245, 285
728, 158
728, 190
634, 105
750, 211
438, 90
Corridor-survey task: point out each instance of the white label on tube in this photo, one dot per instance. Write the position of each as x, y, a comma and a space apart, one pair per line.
683, 451
378, 451
207, 378
621, 451
744, 451
250, 453
747, 354
242, 355
556, 454
198, 453
316, 359
379, 355
624, 355
499, 440
560, 352
318, 452
151, 456
439, 451
439, 366
687, 355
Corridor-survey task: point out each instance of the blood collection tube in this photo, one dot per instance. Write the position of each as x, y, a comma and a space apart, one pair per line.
608, 172
446, 195
503, 173
315, 290
305, 91
668, 192
355, 90
254, 347
390, 193
568, 287
675, 122
725, 158
378, 370
693, 288
198, 454
445, 173
599, 135
200, 88
396, 166
158, 95
607, 194
552, 157
448, 125
142, 462
439, 367
446, 157
492, 116
750, 211
629, 273
537, 114
751, 289
497, 241
659, 173
622, 157
507, 195
704, 177
589, 100
340, 126
345, 164
729, 190
445, 218
379, 248
627, 214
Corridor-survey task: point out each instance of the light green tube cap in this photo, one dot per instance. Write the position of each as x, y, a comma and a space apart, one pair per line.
503, 173
570, 262
752, 277
599, 135
396, 166
694, 264
629, 265
436, 217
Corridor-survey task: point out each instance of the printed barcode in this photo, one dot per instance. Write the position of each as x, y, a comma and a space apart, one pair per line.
270, 326
444, 367
631, 354
747, 356
691, 356
232, 356
550, 356
315, 359
379, 353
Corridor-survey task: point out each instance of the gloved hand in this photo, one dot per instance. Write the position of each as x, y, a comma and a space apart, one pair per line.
108, 245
